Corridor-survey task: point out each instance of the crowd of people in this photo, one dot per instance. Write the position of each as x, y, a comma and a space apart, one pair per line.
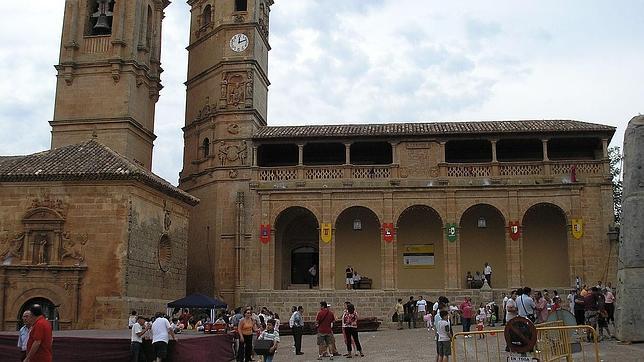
476, 280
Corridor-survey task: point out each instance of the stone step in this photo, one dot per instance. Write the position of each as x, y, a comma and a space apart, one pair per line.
299, 286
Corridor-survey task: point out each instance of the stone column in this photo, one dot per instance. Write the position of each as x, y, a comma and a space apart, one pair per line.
493, 142
387, 248
347, 153
326, 270
630, 270
254, 160
300, 154
545, 149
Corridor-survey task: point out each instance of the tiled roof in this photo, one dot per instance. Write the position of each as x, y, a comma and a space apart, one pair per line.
431, 129
87, 161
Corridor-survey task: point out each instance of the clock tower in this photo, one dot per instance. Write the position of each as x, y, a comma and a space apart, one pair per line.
226, 101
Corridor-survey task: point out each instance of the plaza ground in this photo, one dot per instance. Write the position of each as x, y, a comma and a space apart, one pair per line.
416, 345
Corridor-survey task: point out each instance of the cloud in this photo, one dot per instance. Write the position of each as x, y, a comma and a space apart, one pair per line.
339, 61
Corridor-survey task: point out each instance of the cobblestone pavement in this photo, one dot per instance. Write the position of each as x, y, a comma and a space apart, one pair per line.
417, 345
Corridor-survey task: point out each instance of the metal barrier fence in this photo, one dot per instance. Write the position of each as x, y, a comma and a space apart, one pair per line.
555, 342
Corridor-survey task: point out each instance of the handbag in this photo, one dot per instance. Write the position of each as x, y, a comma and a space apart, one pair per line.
394, 317
262, 346
530, 316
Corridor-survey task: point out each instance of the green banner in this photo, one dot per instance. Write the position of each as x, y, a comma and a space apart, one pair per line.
451, 230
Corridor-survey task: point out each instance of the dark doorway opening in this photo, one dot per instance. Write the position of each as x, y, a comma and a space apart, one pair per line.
302, 258
50, 311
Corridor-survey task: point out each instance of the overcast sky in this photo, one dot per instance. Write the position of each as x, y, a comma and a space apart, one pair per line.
372, 61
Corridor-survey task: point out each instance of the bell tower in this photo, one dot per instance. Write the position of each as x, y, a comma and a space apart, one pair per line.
108, 78
227, 88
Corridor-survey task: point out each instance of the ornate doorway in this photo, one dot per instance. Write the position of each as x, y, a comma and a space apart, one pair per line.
49, 310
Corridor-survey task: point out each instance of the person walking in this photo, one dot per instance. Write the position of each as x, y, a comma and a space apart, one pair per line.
297, 328
324, 323
400, 312
161, 332
246, 328
350, 322
410, 308
487, 272
23, 335
525, 304
609, 300
421, 307
136, 339
270, 334
444, 331
39, 345
468, 312
349, 277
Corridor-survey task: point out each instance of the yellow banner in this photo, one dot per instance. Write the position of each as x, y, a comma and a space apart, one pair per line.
577, 228
325, 232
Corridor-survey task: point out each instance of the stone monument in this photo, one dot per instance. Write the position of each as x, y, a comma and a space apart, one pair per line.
630, 269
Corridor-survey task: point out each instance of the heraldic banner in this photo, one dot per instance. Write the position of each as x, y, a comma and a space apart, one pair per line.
325, 232
451, 232
265, 233
577, 228
515, 230
388, 232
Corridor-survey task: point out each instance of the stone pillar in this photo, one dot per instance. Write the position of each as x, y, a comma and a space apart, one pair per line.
394, 153
347, 153
545, 149
630, 270
300, 154
254, 160
387, 251
493, 142
326, 268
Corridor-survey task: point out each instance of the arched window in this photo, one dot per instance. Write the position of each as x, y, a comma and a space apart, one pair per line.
206, 16
205, 145
148, 33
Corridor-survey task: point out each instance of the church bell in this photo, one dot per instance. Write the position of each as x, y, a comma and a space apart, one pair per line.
102, 25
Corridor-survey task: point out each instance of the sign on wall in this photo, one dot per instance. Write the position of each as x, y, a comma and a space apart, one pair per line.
325, 232
264, 233
388, 232
418, 256
451, 232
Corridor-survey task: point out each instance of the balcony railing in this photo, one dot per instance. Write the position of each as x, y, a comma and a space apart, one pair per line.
446, 170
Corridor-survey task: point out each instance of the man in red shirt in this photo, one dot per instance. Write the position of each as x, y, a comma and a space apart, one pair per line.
40, 338
324, 322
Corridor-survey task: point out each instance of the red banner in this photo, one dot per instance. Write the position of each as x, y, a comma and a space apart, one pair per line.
388, 232
264, 233
515, 230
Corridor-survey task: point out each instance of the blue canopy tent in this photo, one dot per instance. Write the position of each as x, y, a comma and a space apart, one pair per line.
198, 300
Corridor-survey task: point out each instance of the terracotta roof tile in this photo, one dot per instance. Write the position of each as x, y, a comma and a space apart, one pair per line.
85, 161
431, 129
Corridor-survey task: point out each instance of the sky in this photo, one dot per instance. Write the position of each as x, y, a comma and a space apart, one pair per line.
371, 61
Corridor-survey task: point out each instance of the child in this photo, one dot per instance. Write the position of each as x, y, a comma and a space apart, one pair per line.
602, 323
444, 331
270, 334
480, 321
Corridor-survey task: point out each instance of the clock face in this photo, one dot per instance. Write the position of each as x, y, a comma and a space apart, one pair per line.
239, 42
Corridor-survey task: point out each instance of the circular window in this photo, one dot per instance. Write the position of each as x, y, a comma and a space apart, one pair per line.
165, 253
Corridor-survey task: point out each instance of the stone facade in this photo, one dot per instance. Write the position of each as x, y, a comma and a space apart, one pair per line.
543, 176
102, 256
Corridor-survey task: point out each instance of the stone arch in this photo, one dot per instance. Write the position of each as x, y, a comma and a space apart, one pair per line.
499, 208
279, 209
359, 248
545, 237
420, 231
373, 207
398, 211
17, 306
295, 227
565, 209
478, 245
